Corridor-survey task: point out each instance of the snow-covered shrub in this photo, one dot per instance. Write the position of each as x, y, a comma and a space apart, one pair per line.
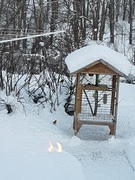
131, 79
70, 100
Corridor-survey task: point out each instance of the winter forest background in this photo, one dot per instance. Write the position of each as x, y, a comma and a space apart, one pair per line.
36, 67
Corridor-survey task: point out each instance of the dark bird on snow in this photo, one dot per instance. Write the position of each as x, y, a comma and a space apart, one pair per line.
54, 122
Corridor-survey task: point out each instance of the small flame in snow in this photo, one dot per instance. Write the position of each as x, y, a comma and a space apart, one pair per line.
53, 148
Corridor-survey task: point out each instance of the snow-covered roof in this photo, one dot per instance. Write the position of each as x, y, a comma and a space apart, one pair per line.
89, 54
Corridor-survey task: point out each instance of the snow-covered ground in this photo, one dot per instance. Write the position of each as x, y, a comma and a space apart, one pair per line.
92, 154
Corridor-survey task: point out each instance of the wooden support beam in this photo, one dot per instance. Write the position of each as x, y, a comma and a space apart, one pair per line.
78, 126
100, 87
101, 123
111, 125
113, 95
112, 129
117, 96
78, 102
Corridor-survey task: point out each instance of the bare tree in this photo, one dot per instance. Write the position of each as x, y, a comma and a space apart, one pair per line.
111, 20
125, 3
103, 19
131, 20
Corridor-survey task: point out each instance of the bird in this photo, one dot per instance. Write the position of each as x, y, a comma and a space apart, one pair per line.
54, 122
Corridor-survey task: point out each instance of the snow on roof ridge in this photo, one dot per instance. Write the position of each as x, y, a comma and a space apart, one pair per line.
88, 54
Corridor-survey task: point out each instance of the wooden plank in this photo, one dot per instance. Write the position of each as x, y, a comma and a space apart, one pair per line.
75, 113
78, 98
78, 101
101, 68
100, 87
117, 95
113, 95
101, 123
94, 68
111, 125
112, 129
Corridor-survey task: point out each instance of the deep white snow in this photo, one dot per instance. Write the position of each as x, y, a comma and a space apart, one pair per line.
26, 133
25, 139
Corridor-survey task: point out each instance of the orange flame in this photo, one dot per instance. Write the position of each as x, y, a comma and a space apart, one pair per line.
52, 148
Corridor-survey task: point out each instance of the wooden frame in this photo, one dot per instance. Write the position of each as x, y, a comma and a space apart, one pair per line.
98, 67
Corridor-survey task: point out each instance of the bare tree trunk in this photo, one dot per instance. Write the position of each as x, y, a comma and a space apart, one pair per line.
75, 23
40, 16
111, 18
96, 15
39, 24
83, 20
87, 8
103, 19
131, 21
47, 11
1, 8
133, 7
124, 9
24, 21
54, 17
1, 77
117, 10
134, 59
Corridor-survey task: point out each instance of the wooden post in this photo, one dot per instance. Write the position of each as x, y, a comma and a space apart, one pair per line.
78, 101
116, 105
113, 105
113, 94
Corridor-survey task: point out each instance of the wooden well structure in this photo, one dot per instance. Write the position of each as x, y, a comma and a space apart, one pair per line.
96, 99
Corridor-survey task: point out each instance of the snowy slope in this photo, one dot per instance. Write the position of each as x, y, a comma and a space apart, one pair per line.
24, 142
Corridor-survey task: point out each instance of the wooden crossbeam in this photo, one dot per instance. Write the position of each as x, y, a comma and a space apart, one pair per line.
102, 123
